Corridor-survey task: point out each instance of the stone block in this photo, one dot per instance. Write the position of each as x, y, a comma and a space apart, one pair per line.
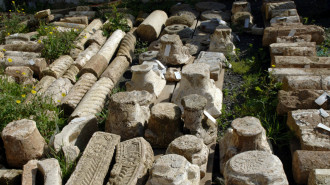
83, 37
42, 14
291, 83
150, 28
29, 173
77, 20
301, 62
184, 20
10, 176
220, 41
51, 170
240, 6
84, 56
280, 73
319, 177
269, 7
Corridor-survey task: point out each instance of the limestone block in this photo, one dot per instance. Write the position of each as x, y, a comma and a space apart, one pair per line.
271, 33
77, 92
193, 149
59, 66
25, 47
71, 153
148, 56
151, 27
292, 49
255, 167
96, 65
42, 14
269, 7
303, 162
170, 74
70, 25
71, 73
291, 39
134, 158
288, 19
246, 134
283, 13
221, 41
22, 74
173, 169
319, 177
299, 99
306, 82
30, 172
83, 37
240, 17
203, 6
144, 78
304, 124
30, 55
216, 14
44, 84
154, 46
10, 176
182, 30
240, 6
280, 73
128, 113
172, 51
22, 142
51, 170
95, 161
301, 62
86, 55
74, 53
195, 46
164, 125
116, 69
184, 20
97, 38
93, 102
77, 20
17, 37
127, 46
89, 14
57, 90
196, 80
215, 60
110, 46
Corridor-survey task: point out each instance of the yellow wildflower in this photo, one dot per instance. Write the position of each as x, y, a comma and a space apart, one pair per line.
58, 101
10, 10
33, 87
50, 32
85, 37
33, 91
13, 2
18, 11
23, 73
22, 9
3, 49
23, 95
23, 12
46, 28
273, 65
10, 60
8, 34
17, 71
24, 87
63, 94
18, 101
39, 41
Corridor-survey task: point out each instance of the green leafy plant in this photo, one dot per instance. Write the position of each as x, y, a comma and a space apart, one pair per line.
116, 20
323, 49
141, 47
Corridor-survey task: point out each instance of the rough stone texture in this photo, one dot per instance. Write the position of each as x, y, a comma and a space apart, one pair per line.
10, 176
255, 167
151, 27
177, 54
95, 161
25, 47
240, 6
86, 55
215, 60
319, 177
134, 158
184, 9
269, 7
127, 46
110, 46
21, 74
74, 53
83, 37
306, 82
42, 14
283, 13
216, 14
51, 170
71, 73
221, 41
17, 37
304, 124
196, 80
22, 142
246, 134
304, 161
164, 125
299, 99
301, 62
193, 149
93, 101
209, 26
128, 113
154, 46
71, 153
239, 19
292, 39
97, 38
289, 19
145, 78
77, 92
30, 172
271, 33
57, 90
77, 20
173, 169
116, 69
203, 6
59, 66
89, 14
195, 46
76, 133
182, 30
148, 56
170, 74
69, 25
184, 20
96, 65
30, 55
280, 73
44, 83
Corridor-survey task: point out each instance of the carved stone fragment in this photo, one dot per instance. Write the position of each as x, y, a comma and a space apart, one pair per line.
240, 6
83, 37
42, 14
21, 74
280, 73
127, 46
216, 14
87, 54
179, 29
184, 19
301, 62
96, 65
319, 177
97, 38
29, 173
116, 69
57, 90
51, 170
151, 27
25, 47
110, 46
59, 66
148, 56
71, 73
77, 20
70, 25
221, 41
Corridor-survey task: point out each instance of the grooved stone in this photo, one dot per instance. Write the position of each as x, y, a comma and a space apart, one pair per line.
59, 66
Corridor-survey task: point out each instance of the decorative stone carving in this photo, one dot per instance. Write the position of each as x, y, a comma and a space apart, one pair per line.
179, 29
221, 41
240, 6
196, 80
116, 69
22, 142
95, 161
58, 67
128, 113
172, 51
87, 54
134, 158
255, 167
246, 134
71, 73
144, 78
148, 56
83, 37
151, 27
51, 170
173, 169
319, 177
164, 125
193, 149
97, 38
127, 46
239, 19
184, 20
306, 82
57, 90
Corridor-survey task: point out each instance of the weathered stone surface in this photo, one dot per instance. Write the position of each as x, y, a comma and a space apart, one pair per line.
25, 47
97, 38
134, 158
306, 82
288, 19
299, 99
44, 83
269, 7
184, 20
203, 6
193, 149
319, 177
154, 46
110, 46
51, 170
76, 133
304, 124
22, 142
127, 46
172, 51
57, 90
21, 74
116, 69
89, 14
182, 30
95, 161
184, 9
164, 125
93, 101
30, 55
86, 55
291, 39
216, 61
83, 8
70, 25
301, 62
240, 17
71, 73
129, 113
42, 14
240, 6
77, 20
196, 80
170, 74
30, 172
209, 26
246, 134
77, 92
173, 169
280, 73
71, 153
283, 13
145, 78
304, 161
59, 66
216, 14
17, 37
151, 27
255, 167
10, 176
83, 37
74, 53
271, 33
148, 56
221, 41
96, 65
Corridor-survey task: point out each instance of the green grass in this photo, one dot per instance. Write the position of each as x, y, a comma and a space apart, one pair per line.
323, 50
116, 21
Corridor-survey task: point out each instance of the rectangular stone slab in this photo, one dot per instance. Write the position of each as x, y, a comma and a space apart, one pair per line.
292, 39
304, 124
301, 62
95, 161
280, 73
321, 82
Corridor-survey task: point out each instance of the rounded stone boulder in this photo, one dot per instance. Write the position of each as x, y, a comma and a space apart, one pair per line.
22, 142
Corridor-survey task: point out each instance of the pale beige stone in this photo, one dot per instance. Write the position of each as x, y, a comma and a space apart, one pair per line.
239, 18
306, 82
301, 62
240, 6
280, 73
22, 74
23, 54
10, 176
74, 53
29, 173
319, 177
17, 37
59, 66
127, 46
44, 83
288, 19
96, 65
83, 37
70, 25
51, 170
151, 27
269, 7
216, 14
89, 14
97, 38
22, 142
111, 45
215, 60
179, 29
148, 56
291, 39
42, 14
25, 47
116, 69
57, 90
77, 20
220, 41
86, 55
71, 74
170, 74
283, 13
184, 19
